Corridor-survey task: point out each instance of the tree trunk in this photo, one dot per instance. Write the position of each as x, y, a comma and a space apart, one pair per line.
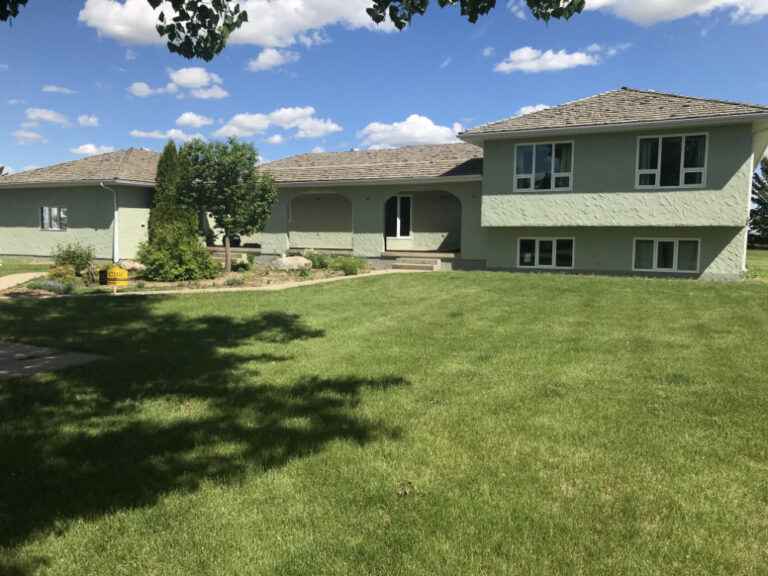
227, 261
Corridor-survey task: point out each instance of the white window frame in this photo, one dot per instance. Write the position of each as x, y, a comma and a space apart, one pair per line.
655, 267
683, 169
552, 266
399, 205
554, 174
40, 218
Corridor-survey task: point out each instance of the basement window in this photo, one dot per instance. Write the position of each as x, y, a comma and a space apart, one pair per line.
666, 255
53, 218
545, 252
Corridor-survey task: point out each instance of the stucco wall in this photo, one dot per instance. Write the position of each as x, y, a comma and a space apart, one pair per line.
90, 214
604, 185
434, 228
320, 221
610, 250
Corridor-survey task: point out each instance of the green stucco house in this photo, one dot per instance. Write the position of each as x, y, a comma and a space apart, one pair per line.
624, 182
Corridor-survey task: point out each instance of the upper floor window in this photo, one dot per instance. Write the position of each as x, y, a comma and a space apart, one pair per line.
53, 218
672, 161
544, 167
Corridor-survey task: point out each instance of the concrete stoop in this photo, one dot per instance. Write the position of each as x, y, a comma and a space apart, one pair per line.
430, 264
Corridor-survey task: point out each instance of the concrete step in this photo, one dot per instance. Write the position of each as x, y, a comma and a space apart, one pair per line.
430, 264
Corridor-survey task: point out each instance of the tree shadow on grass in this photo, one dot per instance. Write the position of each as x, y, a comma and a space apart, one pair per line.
179, 400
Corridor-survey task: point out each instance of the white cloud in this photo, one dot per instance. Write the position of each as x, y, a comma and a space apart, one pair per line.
194, 120
270, 58
130, 54
14, 101
173, 134
275, 23
58, 89
303, 119
414, 130
3, 66
91, 149
530, 109
318, 150
214, 92
489, 51
518, 8
531, 60
194, 77
7, 170
142, 89
86, 120
650, 12
25, 137
445, 63
29, 167
36, 114
275, 139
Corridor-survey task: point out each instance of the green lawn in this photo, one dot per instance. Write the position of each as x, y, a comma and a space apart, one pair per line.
550, 425
757, 264
21, 265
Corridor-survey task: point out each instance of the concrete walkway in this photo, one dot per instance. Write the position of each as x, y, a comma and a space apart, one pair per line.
22, 360
15, 279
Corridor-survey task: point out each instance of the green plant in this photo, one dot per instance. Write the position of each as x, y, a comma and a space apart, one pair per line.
52, 286
350, 265
240, 266
318, 260
234, 281
140, 285
251, 258
303, 272
78, 256
63, 273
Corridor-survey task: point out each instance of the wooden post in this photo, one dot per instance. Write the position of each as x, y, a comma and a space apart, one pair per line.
227, 261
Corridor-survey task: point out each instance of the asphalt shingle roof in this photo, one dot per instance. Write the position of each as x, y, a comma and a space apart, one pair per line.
623, 106
131, 165
442, 160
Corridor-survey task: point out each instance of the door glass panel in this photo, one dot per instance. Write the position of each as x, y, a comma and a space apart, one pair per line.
671, 152
695, 148
649, 154
665, 255
390, 217
545, 252
524, 160
405, 215
564, 257
543, 176
687, 255
563, 154
527, 252
644, 254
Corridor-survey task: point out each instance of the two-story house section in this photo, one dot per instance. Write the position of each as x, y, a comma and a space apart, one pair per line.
624, 182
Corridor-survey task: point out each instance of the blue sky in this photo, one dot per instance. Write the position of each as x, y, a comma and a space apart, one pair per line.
81, 77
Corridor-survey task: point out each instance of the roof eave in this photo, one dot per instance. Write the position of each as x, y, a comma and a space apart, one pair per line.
479, 137
381, 181
72, 183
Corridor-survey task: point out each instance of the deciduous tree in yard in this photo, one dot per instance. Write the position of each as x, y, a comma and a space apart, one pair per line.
223, 180
758, 216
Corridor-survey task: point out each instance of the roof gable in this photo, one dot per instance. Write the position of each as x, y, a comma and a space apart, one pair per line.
624, 106
129, 165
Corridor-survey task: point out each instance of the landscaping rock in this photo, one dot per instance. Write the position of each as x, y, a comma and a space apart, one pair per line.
131, 265
291, 263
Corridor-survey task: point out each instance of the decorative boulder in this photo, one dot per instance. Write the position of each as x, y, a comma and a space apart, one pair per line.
131, 265
291, 263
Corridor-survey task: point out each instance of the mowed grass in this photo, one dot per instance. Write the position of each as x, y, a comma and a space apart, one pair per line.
757, 264
547, 424
21, 265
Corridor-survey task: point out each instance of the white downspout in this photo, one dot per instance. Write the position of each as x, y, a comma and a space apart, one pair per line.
115, 226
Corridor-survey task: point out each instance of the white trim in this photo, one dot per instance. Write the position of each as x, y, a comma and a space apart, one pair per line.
553, 266
553, 175
683, 170
397, 221
379, 181
70, 183
617, 127
655, 267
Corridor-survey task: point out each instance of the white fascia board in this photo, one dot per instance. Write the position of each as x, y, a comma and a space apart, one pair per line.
382, 181
479, 138
74, 183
